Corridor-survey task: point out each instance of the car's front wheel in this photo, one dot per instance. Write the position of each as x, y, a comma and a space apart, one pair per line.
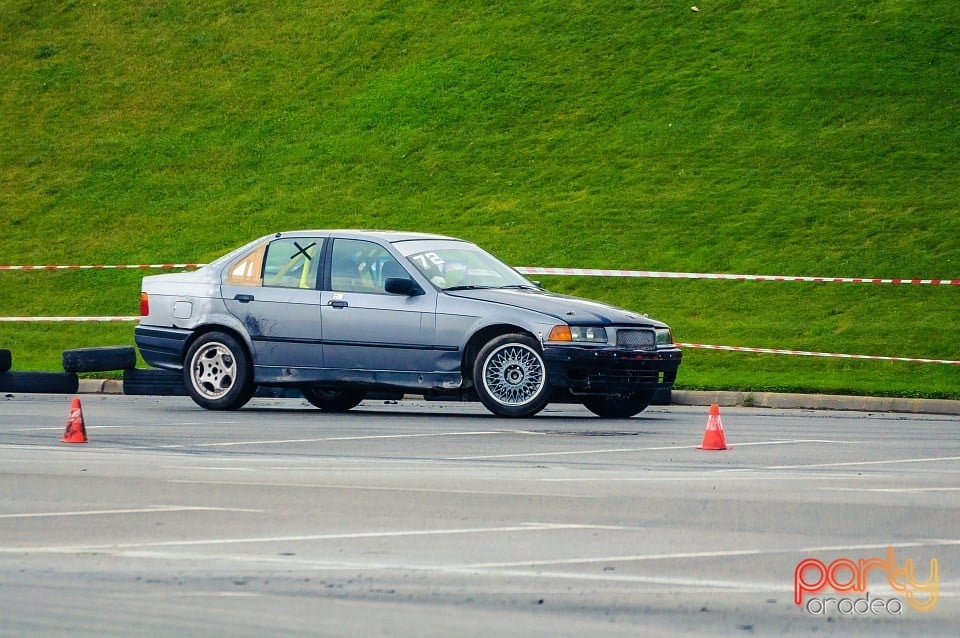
619, 406
217, 372
332, 400
510, 376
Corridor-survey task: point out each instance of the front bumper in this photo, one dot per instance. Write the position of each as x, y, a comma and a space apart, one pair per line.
162, 347
610, 370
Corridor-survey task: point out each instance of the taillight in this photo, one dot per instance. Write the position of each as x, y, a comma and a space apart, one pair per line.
144, 304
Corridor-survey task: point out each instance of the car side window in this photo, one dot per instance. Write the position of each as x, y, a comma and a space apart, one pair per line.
292, 263
362, 266
249, 270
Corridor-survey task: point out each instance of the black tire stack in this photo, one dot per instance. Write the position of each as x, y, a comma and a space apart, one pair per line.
153, 381
44, 382
99, 359
102, 359
136, 381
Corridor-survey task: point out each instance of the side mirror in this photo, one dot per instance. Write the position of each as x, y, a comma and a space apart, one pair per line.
402, 286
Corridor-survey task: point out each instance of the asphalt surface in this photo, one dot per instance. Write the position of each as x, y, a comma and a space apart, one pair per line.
785, 400
437, 519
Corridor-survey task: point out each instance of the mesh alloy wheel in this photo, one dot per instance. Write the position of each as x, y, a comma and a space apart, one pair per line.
510, 376
513, 374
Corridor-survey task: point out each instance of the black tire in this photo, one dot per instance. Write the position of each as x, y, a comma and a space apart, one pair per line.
153, 382
39, 382
510, 376
663, 396
99, 359
217, 372
6, 360
277, 392
333, 400
621, 406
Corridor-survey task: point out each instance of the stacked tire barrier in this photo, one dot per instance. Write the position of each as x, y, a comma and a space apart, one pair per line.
103, 359
46, 382
153, 381
85, 360
136, 381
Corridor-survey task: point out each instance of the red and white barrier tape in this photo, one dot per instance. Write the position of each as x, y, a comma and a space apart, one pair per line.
54, 319
803, 353
702, 346
594, 272
588, 272
115, 267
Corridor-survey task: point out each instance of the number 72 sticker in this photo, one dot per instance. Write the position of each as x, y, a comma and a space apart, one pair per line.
425, 260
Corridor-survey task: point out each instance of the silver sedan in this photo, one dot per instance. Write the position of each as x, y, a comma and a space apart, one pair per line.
340, 314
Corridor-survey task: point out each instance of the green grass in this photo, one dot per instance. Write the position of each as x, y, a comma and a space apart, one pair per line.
767, 137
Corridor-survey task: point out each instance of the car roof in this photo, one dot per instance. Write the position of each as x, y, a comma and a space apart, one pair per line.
391, 236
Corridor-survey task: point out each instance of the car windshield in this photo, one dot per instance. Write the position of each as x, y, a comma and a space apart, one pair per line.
458, 265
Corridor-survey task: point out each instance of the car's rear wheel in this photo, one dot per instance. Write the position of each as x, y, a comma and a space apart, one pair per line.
510, 376
620, 406
333, 400
217, 372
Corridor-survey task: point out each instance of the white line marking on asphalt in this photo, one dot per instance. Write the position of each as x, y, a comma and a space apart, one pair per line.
628, 449
311, 564
376, 488
856, 463
522, 527
333, 438
157, 509
212, 468
61, 428
301, 562
137, 426
217, 594
746, 474
192, 423
713, 554
892, 490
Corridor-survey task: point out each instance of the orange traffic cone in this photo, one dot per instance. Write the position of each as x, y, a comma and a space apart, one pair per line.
713, 437
76, 430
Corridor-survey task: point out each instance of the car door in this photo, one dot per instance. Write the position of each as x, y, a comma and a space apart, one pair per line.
273, 292
366, 329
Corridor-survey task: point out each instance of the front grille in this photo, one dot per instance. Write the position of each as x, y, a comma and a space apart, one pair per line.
637, 339
617, 379
614, 376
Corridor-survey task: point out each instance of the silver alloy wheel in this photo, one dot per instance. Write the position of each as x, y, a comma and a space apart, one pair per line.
514, 374
213, 370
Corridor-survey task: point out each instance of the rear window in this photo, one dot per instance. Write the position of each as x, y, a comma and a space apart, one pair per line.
249, 270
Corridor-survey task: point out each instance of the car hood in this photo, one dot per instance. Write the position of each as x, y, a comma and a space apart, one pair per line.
572, 310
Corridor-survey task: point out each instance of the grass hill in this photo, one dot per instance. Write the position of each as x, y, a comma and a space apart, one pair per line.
767, 137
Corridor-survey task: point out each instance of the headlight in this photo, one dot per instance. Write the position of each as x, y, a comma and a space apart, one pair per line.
664, 337
588, 334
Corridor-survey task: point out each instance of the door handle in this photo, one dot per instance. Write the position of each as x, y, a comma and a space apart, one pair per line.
243, 298
338, 303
